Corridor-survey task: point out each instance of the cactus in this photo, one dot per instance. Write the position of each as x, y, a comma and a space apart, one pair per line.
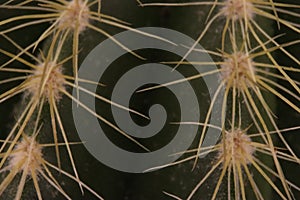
43, 44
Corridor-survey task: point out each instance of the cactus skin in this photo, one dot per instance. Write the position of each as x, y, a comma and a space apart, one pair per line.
287, 118
110, 183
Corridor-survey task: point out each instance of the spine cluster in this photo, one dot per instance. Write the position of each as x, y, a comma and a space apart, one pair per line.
248, 69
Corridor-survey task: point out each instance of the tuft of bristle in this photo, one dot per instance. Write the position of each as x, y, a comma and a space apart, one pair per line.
238, 9
27, 155
54, 81
238, 70
236, 146
76, 14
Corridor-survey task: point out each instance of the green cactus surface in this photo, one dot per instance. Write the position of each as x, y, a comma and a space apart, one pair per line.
249, 49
